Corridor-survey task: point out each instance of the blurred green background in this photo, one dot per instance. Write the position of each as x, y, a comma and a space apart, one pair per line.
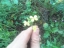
17, 15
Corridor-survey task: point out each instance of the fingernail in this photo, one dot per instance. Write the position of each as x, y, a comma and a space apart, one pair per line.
34, 28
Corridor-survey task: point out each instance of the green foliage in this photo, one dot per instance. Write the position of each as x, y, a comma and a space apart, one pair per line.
9, 2
52, 34
6, 37
13, 14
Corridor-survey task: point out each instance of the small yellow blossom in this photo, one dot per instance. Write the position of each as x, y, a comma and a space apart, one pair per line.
35, 18
34, 28
26, 23
32, 18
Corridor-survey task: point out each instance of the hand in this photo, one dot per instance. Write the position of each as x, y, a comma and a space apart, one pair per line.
23, 38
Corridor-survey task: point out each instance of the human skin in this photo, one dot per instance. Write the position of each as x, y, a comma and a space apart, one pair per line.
23, 38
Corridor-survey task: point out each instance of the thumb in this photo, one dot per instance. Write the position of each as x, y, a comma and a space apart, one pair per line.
35, 38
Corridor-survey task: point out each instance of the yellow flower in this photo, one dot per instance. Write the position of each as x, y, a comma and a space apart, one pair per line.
34, 27
32, 18
26, 23
35, 18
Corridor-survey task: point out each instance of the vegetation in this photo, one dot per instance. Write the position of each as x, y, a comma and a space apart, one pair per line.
16, 15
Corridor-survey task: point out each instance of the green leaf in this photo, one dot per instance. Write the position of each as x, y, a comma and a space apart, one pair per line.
62, 46
46, 34
49, 43
54, 30
55, 47
52, 2
15, 18
45, 25
6, 2
60, 31
16, 23
28, 3
15, 1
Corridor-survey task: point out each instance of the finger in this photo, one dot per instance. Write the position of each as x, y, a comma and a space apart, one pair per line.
22, 39
35, 39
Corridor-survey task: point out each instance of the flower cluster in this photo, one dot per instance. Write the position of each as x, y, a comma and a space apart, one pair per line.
30, 20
